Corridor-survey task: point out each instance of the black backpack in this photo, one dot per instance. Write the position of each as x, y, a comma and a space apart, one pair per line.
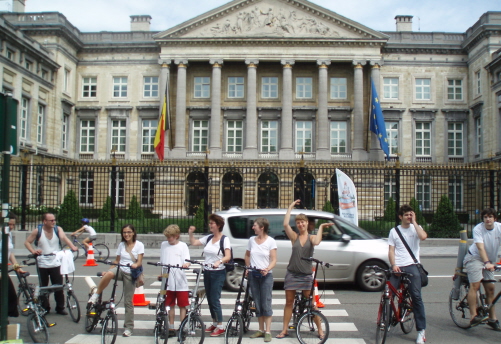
221, 249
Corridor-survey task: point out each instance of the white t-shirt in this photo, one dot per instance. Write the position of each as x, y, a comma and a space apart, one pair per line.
402, 256
125, 256
260, 254
212, 251
175, 255
490, 238
90, 230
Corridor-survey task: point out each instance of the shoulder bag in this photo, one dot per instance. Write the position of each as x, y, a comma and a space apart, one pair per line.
422, 271
137, 273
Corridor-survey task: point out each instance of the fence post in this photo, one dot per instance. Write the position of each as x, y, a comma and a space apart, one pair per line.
491, 183
206, 196
397, 193
113, 191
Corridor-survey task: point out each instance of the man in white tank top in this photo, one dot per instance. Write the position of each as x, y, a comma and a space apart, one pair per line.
49, 242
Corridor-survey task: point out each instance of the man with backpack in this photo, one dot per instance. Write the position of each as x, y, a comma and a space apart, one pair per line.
48, 238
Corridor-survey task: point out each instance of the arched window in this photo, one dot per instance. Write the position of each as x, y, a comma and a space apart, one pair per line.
304, 189
232, 190
196, 190
267, 190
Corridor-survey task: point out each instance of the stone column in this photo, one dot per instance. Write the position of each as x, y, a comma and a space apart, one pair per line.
215, 117
286, 131
251, 150
179, 150
358, 151
162, 83
376, 153
323, 129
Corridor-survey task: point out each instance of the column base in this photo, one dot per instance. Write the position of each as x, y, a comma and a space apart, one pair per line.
323, 154
286, 154
250, 154
178, 153
376, 155
359, 155
215, 153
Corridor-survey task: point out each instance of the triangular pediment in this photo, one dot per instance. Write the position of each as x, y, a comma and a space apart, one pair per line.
271, 18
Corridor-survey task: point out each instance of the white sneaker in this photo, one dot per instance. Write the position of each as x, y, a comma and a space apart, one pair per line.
127, 333
93, 299
420, 337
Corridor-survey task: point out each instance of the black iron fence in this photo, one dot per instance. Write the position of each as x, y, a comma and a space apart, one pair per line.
185, 193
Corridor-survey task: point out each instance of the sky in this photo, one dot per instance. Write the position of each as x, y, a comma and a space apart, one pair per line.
114, 15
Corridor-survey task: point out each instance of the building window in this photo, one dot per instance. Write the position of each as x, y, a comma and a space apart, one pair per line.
28, 65
392, 135
64, 131
304, 137
119, 188
338, 137
235, 87
45, 74
87, 136
456, 192
338, 88
423, 89
423, 138
40, 123
89, 87
455, 139
66, 80
455, 89
202, 87
390, 88
304, 88
390, 189
150, 89
149, 131
269, 133
118, 135
234, 136
423, 192
119, 87
232, 190
478, 136
200, 136
86, 187
478, 82
11, 55
269, 87
268, 186
148, 189
25, 108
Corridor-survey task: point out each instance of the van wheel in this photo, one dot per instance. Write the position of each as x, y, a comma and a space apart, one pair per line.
370, 280
233, 279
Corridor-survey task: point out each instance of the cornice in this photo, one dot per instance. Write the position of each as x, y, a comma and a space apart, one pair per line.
272, 42
129, 48
454, 110
413, 49
148, 107
487, 31
393, 109
88, 108
67, 101
58, 31
423, 110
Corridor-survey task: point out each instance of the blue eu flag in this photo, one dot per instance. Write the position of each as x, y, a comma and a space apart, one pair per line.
377, 125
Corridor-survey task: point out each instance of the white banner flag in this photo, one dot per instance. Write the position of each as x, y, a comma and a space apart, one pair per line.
348, 206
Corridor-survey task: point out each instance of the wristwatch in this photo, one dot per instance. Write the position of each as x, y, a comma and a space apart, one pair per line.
221, 261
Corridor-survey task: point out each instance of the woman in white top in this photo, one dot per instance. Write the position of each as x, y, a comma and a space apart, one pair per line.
128, 248
262, 254
214, 276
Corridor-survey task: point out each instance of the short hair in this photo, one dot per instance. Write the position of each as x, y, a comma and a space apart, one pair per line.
172, 230
301, 217
489, 211
264, 223
133, 235
44, 216
218, 220
404, 209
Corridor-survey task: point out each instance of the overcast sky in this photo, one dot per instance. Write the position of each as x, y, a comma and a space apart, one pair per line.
113, 15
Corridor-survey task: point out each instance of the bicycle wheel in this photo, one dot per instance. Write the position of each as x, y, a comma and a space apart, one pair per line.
101, 251
110, 329
383, 320
234, 330
161, 331
91, 317
247, 315
192, 330
38, 328
73, 306
458, 309
312, 328
407, 314
22, 301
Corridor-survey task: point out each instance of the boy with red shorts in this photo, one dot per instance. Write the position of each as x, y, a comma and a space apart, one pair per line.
174, 252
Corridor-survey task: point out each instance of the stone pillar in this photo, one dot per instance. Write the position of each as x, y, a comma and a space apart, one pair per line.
251, 150
287, 131
376, 153
215, 117
179, 150
162, 84
323, 129
358, 151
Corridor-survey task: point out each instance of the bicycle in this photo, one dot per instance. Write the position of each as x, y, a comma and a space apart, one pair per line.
161, 330
389, 313
240, 319
109, 323
192, 328
458, 301
101, 251
25, 290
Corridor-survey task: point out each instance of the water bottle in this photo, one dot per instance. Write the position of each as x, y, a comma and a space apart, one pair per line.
37, 293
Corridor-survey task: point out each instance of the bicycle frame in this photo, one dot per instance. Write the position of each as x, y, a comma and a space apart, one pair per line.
390, 291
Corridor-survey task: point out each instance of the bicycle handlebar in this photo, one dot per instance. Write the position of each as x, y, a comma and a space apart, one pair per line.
389, 272
311, 259
243, 266
167, 265
198, 262
109, 262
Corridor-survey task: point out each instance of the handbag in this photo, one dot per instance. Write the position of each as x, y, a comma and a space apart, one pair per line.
137, 273
422, 272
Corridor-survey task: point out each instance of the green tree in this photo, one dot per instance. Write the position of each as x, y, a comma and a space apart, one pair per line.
328, 207
417, 210
445, 221
70, 215
198, 220
134, 212
390, 210
105, 213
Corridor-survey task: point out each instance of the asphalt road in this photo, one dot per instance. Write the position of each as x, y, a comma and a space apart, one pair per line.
353, 310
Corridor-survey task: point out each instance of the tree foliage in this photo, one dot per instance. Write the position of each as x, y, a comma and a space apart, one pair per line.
134, 212
105, 214
417, 210
445, 219
70, 215
198, 220
390, 211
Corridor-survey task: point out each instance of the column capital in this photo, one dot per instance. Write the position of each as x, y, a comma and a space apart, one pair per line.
358, 63
251, 62
164, 62
216, 62
287, 63
181, 62
323, 63
376, 63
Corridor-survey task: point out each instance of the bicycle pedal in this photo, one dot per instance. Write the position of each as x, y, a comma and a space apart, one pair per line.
292, 327
152, 306
52, 324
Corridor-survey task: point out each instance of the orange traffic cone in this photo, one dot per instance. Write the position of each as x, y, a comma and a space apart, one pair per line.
139, 299
90, 257
317, 297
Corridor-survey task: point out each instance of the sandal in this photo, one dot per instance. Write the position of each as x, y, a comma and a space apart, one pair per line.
321, 336
282, 335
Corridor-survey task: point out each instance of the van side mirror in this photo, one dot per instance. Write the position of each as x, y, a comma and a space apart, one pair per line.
345, 238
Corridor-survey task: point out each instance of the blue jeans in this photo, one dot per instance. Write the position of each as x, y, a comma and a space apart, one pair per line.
262, 288
415, 291
213, 283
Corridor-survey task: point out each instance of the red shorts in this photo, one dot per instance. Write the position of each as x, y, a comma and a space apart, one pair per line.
181, 296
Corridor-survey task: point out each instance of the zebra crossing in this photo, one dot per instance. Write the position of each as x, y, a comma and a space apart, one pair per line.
342, 331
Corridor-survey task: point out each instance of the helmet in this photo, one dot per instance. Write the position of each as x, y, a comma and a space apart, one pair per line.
85, 220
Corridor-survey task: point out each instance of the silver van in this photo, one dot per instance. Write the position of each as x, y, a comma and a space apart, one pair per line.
349, 248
